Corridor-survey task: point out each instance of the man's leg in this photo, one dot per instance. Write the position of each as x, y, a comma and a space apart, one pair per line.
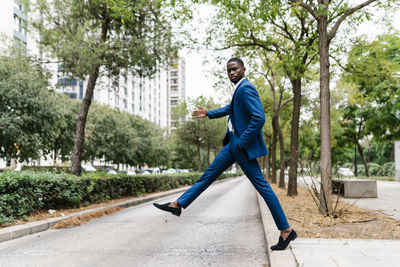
222, 161
253, 172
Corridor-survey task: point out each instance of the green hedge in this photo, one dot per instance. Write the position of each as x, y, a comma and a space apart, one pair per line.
58, 169
22, 193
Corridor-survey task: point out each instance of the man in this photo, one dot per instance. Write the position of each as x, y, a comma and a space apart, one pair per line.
243, 143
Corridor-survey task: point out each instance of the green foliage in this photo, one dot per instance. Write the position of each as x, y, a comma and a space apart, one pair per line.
28, 110
373, 69
375, 169
388, 169
347, 165
57, 169
22, 193
122, 138
199, 133
114, 34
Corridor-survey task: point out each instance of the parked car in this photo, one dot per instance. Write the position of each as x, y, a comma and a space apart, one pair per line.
154, 170
172, 170
130, 172
167, 172
88, 168
111, 172
182, 171
142, 172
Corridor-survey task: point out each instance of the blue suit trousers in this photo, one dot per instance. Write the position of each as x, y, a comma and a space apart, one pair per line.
224, 159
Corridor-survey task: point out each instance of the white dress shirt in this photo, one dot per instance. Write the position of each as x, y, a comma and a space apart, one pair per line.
230, 127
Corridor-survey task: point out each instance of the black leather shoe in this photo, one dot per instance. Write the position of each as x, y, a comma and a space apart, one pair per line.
282, 244
165, 207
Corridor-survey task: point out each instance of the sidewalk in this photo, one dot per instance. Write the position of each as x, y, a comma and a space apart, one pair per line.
340, 252
388, 200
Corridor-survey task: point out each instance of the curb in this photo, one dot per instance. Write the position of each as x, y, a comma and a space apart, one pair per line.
283, 258
13, 232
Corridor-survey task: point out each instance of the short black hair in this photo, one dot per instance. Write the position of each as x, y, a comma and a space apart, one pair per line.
236, 59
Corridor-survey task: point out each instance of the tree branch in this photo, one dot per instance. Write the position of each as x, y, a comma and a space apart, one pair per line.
345, 15
308, 7
286, 101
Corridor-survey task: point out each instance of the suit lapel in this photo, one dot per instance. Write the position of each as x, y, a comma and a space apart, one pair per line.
232, 103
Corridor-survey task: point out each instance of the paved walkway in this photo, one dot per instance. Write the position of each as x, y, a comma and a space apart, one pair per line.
346, 252
388, 200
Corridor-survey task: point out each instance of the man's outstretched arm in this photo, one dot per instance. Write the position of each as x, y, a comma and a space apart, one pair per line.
219, 112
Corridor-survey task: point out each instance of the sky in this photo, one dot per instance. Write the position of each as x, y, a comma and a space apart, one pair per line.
199, 78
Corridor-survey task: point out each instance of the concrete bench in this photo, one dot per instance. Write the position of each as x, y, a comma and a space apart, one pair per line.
355, 188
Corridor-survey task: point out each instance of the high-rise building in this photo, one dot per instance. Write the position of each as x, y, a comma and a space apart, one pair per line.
13, 20
176, 89
143, 96
151, 98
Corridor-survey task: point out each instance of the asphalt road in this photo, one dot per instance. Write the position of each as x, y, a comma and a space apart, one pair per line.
221, 228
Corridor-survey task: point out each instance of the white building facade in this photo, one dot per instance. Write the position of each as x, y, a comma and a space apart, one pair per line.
13, 20
176, 89
149, 97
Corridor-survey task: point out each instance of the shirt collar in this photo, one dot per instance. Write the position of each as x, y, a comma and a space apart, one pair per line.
238, 83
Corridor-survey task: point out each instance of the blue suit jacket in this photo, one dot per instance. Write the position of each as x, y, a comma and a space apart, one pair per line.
247, 116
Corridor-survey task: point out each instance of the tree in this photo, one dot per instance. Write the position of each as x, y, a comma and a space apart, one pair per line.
372, 71
275, 79
63, 141
327, 13
92, 36
282, 29
27, 115
200, 132
353, 122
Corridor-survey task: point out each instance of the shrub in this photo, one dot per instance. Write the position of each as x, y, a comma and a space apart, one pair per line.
57, 169
347, 165
23, 192
388, 169
374, 169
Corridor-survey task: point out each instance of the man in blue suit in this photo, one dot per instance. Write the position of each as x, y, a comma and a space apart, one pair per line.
243, 143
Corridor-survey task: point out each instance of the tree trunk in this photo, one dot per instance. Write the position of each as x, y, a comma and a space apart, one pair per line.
392, 154
55, 158
83, 112
363, 158
325, 123
198, 159
208, 155
268, 160
80, 126
273, 153
294, 138
282, 154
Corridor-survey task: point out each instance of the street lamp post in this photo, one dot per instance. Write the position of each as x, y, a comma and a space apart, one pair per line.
355, 160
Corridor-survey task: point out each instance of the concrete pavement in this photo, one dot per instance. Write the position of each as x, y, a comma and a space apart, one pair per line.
302, 252
221, 228
388, 201
340, 252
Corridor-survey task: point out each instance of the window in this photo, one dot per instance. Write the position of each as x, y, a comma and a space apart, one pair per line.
18, 5
174, 88
174, 74
174, 81
174, 102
